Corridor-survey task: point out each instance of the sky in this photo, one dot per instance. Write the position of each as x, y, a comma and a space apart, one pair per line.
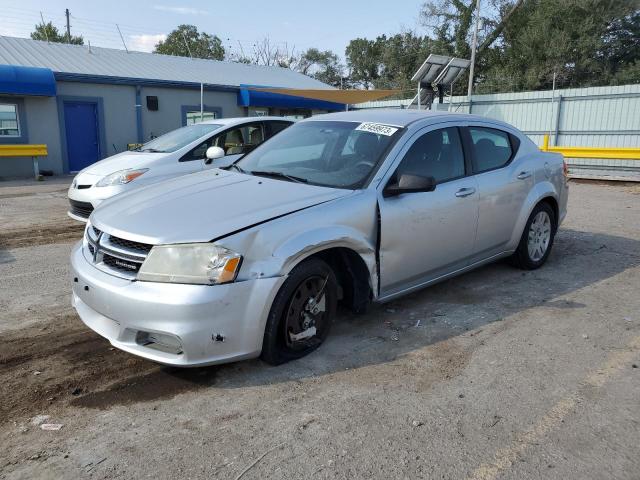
325, 24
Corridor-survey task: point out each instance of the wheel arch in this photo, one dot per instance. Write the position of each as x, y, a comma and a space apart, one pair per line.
347, 251
542, 192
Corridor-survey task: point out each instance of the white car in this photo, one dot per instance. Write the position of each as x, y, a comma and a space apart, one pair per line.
189, 149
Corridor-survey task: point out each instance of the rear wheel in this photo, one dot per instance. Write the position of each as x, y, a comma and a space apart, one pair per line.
301, 314
537, 238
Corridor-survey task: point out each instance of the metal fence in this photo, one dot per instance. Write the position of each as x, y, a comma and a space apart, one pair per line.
577, 117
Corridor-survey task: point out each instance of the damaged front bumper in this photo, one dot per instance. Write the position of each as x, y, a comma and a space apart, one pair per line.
174, 324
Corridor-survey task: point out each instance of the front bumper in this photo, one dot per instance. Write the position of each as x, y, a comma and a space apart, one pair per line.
211, 324
84, 200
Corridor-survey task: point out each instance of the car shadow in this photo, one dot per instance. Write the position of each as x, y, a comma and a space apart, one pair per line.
444, 311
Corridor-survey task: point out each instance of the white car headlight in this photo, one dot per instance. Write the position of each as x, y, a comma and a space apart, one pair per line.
120, 177
197, 263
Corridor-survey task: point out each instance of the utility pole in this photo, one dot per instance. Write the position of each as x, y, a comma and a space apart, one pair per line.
44, 27
66, 12
474, 45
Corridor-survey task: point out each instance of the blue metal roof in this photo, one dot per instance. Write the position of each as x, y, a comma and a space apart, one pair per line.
18, 80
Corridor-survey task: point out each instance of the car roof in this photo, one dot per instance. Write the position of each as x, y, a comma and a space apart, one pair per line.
226, 122
400, 117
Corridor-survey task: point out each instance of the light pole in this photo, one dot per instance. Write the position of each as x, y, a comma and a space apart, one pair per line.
474, 44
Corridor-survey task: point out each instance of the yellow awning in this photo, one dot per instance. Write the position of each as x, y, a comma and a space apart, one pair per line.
337, 96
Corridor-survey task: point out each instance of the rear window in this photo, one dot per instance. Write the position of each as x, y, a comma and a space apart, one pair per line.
492, 148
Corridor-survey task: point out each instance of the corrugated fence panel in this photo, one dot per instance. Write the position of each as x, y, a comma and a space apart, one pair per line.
581, 117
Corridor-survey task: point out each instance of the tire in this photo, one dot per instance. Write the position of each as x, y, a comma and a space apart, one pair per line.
540, 242
290, 312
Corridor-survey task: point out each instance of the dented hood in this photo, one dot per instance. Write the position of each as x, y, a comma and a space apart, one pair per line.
204, 206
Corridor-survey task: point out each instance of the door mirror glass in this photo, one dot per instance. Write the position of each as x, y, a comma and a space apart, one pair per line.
409, 183
213, 153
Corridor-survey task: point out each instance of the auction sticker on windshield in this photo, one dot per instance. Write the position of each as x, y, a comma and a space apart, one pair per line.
377, 128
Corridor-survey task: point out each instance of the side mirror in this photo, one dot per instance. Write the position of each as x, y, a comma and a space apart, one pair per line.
213, 153
408, 183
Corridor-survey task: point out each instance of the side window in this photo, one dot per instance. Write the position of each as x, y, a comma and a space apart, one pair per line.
436, 154
231, 141
256, 134
199, 152
275, 127
492, 148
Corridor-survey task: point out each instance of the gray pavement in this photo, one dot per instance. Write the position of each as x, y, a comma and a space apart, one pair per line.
496, 374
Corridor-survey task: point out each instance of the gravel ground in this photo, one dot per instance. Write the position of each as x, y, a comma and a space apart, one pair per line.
498, 373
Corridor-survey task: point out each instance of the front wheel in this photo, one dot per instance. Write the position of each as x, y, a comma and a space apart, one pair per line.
537, 238
302, 313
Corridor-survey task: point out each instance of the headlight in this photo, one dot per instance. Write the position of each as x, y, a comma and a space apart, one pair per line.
199, 263
120, 177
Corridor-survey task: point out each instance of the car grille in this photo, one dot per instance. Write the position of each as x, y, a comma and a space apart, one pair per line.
81, 209
115, 255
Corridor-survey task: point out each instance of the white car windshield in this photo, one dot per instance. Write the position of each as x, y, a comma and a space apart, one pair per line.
327, 153
176, 139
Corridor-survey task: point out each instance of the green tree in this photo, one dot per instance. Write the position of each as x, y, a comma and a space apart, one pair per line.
49, 32
186, 41
322, 65
400, 57
584, 42
364, 61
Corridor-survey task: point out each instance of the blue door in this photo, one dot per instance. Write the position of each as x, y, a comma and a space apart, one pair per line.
83, 142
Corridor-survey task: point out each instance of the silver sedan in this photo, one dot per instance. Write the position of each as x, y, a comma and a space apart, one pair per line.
353, 207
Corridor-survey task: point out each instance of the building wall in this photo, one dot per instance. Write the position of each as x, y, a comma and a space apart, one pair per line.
170, 107
40, 116
119, 112
119, 123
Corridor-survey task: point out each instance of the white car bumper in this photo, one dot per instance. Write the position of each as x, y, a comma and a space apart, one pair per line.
82, 201
173, 324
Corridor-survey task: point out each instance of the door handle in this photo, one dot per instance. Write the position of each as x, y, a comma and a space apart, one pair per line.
524, 175
465, 192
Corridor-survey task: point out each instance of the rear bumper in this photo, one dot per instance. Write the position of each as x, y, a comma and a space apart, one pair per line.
204, 325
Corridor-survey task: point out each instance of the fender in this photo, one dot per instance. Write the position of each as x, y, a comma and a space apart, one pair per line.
296, 249
541, 190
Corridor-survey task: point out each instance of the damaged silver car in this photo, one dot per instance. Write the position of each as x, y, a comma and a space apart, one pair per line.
352, 207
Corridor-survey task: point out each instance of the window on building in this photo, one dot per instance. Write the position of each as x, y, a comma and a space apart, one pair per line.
9, 124
194, 117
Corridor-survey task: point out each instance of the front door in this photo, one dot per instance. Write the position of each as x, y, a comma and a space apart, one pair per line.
428, 234
83, 141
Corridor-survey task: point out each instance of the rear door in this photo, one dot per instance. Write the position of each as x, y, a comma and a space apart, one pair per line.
428, 234
503, 186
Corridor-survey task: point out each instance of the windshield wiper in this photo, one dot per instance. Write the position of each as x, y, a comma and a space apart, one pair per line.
233, 165
291, 178
152, 150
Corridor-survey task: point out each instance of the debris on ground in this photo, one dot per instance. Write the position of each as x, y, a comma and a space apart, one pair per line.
51, 426
417, 423
38, 419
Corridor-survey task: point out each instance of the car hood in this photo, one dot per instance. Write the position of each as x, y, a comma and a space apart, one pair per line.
121, 161
204, 206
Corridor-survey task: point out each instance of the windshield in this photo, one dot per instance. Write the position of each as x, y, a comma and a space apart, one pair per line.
333, 154
176, 139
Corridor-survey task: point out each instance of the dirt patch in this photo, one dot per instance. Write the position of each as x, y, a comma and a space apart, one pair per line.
48, 368
63, 231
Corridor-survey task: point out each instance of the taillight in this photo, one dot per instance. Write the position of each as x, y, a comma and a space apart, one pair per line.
565, 168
